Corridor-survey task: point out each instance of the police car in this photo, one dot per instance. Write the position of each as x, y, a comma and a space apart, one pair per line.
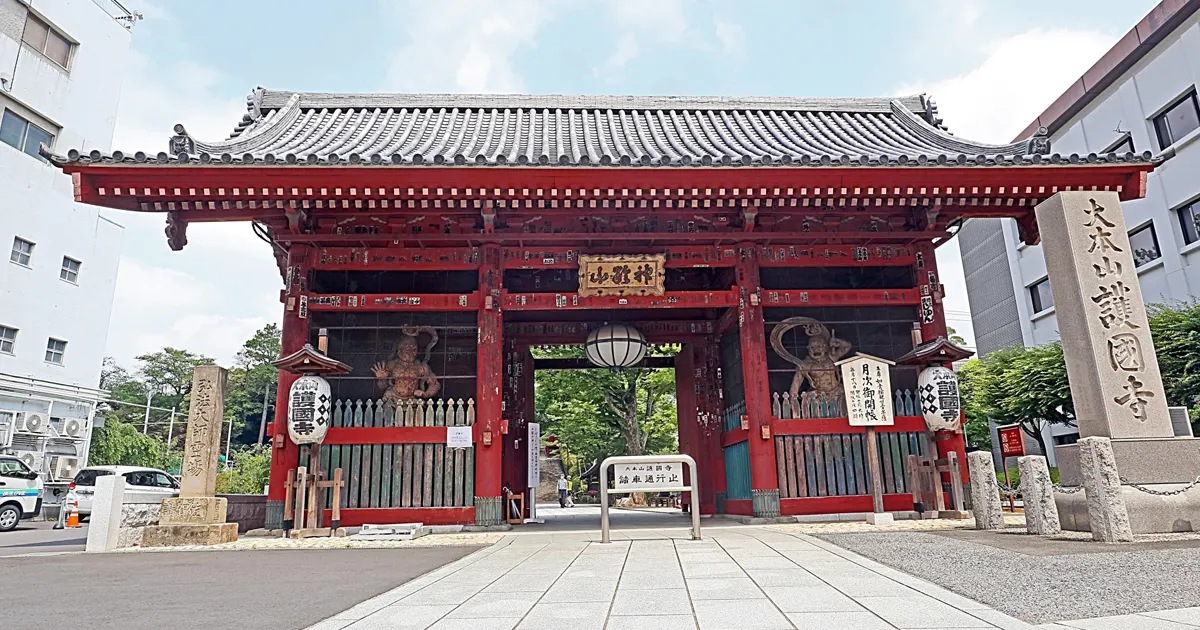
20, 492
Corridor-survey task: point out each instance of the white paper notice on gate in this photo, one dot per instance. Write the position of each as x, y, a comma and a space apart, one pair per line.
649, 475
458, 437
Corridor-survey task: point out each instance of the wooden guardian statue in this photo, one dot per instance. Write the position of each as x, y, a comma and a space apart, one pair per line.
818, 369
406, 377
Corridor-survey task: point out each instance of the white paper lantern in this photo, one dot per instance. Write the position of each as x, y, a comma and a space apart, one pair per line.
310, 407
616, 346
937, 392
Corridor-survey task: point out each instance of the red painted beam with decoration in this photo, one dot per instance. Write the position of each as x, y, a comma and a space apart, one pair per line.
843, 504
736, 436
837, 297
394, 258
385, 435
354, 517
868, 238
573, 301
393, 302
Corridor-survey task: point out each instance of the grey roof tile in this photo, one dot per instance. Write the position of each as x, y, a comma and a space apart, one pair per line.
478, 130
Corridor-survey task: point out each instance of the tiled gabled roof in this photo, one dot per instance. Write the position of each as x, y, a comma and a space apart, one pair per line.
482, 130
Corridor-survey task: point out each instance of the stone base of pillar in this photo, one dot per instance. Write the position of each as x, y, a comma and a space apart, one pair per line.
765, 503
1140, 460
274, 518
489, 511
1147, 513
985, 491
177, 535
1037, 492
719, 499
193, 511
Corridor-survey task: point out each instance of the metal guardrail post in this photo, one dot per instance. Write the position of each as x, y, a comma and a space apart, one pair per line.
635, 459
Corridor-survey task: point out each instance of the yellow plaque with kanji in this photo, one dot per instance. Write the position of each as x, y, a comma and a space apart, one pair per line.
621, 274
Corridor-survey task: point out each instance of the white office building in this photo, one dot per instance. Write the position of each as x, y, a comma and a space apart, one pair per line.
60, 82
1139, 97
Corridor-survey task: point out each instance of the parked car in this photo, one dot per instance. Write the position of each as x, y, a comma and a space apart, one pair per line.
145, 480
20, 492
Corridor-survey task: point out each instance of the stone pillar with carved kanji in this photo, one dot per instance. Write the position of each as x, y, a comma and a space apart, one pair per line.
197, 515
1116, 385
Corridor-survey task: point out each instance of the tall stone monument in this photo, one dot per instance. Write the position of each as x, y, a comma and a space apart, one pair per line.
197, 515
1116, 385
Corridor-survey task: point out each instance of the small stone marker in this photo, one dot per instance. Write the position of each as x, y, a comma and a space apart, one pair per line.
197, 516
1037, 491
104, 527
1106, 507
985, 492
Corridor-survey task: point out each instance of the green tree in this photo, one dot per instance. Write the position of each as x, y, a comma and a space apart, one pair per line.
248, 472
976, 428
1176, 331
123, 444
252, 383
597, 412
1026, 386
955, 338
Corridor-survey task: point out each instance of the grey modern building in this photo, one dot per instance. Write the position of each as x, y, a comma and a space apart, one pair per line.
1140, 96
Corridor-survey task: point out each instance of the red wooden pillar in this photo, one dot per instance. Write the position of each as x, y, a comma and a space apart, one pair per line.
489, 400
764, 482
686, 414
933, 325
710, 460
518, 409
285, 454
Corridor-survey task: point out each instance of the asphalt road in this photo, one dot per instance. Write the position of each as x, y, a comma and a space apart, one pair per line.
277, 589
38, 536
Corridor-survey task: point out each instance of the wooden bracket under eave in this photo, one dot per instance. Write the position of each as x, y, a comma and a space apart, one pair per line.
1027, 229
176, 231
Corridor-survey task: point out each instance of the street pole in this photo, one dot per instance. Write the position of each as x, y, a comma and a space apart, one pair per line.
146, 422
228, 439
262, 422
171, 429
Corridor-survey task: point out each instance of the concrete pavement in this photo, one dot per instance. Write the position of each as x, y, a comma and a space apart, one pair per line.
202, 590
39, 536
737, 578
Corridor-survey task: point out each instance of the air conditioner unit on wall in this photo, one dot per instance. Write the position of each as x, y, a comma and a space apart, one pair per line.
64, 467
32, 460
74, 428
32, 422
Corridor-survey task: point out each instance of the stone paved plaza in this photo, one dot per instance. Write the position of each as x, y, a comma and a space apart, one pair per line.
743, 578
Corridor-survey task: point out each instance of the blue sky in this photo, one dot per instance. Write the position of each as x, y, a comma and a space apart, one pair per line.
991, 66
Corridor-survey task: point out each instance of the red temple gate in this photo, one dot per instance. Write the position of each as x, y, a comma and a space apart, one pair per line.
432, 240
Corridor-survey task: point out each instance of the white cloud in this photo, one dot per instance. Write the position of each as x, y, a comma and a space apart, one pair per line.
462, 45
157, 307
732, 37
1018, 79
640, 23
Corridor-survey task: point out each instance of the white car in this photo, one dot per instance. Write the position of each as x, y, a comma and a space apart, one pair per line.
149, 481
20, 492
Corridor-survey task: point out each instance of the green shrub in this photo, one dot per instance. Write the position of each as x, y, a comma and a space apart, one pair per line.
1014, 476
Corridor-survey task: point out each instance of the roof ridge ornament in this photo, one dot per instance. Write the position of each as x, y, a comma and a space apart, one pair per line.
931, 112
1039, 143
181, 143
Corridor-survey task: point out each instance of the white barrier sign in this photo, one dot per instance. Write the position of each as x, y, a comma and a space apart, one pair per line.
664, 476
458, 437
534, 448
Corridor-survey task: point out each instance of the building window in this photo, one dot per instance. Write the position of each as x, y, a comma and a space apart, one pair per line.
23, 135
8, 339
43, 38
1145, 245
22, 251
1189, 220
1180, 119
1041, 296
70, 270
55, 349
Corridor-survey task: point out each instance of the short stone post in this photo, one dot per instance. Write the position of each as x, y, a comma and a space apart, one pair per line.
1102, 485
985, 492
197, 515
105, 521
1037, 491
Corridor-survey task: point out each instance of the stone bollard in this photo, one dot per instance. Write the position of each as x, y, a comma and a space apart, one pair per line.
1037, 491
104, 525
1102, 485
985, 492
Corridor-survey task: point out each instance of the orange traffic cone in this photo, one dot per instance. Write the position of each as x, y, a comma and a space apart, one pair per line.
73, 518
